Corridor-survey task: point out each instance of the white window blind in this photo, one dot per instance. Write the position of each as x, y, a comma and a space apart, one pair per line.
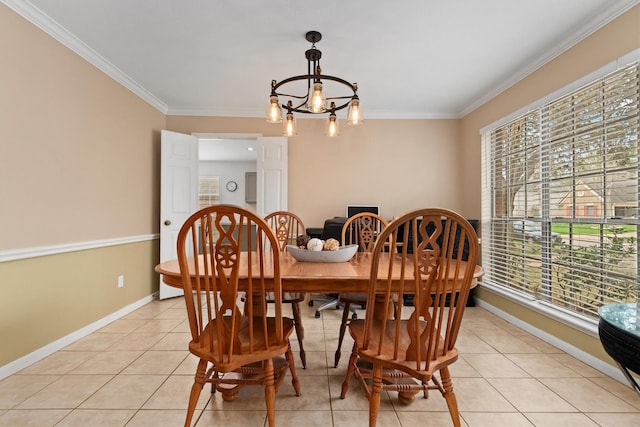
208, 191
560, 197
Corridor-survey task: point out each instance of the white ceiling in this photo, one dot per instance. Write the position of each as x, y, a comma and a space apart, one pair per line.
410, 58
227, 150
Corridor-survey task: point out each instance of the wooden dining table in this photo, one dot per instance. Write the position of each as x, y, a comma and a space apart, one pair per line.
310, 277
313, 277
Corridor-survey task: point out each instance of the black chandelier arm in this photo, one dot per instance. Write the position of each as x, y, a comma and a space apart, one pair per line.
291, 96
340, 97
305, 111
309, 73
297, 108
311, 77
305, 97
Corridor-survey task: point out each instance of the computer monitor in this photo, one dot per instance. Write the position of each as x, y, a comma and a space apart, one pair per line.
356, 209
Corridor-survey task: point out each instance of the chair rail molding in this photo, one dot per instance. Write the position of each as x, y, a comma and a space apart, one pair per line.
37, 251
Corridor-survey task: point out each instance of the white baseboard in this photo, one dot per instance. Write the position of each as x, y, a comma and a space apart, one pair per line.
585, 357
39, 354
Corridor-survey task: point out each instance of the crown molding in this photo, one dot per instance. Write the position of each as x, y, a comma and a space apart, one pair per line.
41, 20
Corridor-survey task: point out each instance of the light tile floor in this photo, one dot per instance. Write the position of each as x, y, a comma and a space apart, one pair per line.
137, 372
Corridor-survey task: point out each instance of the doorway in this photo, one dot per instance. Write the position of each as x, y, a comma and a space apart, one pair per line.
179, 173
231, 161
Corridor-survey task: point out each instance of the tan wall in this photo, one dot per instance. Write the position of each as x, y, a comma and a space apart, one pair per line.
80, 153
79, 161
618, 38
396, 164
46, 298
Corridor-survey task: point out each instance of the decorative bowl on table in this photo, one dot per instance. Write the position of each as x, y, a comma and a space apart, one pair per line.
343, 254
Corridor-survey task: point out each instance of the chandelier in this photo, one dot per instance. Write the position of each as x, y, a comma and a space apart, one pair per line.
313, 100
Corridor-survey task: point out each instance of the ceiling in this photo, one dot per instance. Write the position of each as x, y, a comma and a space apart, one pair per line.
221, 149
410, 58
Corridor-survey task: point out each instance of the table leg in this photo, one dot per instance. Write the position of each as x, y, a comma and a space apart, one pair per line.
229, 391
629, 378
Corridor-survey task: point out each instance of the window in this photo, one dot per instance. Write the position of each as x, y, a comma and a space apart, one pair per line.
208, 191
560, 197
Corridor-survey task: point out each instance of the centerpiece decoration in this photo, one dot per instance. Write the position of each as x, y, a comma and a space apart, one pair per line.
317, 250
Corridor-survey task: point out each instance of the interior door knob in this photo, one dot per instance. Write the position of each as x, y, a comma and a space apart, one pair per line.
167, 222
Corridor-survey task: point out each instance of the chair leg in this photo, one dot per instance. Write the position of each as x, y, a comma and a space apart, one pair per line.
450, 396
297, 321
270, 392
354, 312
292, 368
374, 398
343, 328
350, 369
196, 388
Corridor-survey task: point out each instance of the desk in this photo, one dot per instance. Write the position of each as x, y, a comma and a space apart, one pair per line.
619, 330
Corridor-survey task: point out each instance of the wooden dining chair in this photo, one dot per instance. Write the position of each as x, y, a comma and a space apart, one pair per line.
231, 334
437, 254
287, 226
361, 229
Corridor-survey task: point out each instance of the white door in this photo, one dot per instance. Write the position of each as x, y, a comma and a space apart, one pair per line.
271, 174
178, 194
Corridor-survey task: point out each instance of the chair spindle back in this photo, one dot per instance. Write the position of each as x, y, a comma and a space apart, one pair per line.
287, 227
437, 250
363, 229
214, 256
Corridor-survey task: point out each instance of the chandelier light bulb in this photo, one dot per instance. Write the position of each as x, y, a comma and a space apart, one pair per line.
274, 114
317, 102
332, 126
290, 127
354, 116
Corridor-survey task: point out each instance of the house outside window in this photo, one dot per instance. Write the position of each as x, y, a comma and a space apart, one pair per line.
560, 197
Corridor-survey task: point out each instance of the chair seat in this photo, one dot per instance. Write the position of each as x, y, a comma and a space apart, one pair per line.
287, 297
294, 298
353, 298
403, 362
203, 349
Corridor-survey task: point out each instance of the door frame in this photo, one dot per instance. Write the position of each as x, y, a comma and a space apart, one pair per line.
166, 291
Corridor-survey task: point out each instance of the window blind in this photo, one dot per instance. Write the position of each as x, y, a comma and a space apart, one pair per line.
208, 191
560, 197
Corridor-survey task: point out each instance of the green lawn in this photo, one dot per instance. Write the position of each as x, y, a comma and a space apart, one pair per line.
590, 228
